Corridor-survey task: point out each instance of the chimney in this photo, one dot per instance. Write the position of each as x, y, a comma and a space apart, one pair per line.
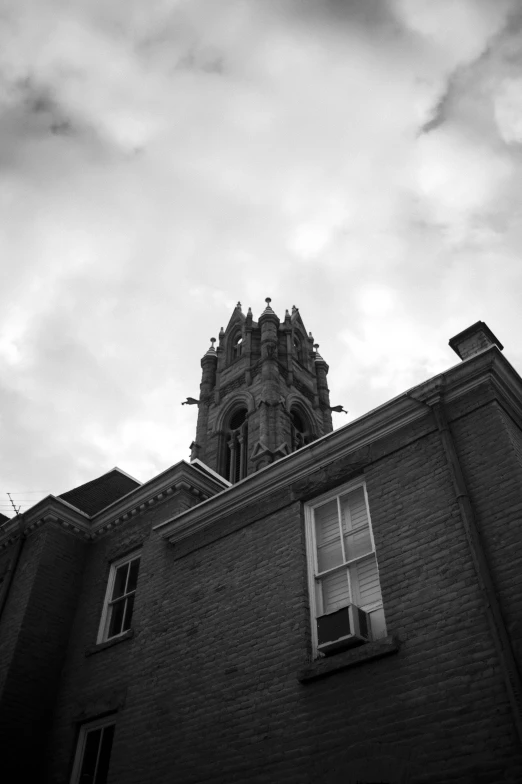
473, 340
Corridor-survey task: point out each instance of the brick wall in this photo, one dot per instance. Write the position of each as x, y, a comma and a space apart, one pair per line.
95, 681
17, 598
35, 632
207, 689
494, 477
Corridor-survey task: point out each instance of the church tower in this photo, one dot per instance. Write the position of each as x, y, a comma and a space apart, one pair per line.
263, 393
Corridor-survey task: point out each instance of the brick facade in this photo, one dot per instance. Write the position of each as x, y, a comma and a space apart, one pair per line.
216, 682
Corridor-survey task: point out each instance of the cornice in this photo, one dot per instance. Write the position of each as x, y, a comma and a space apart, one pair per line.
378, 423
49, 510
180, 477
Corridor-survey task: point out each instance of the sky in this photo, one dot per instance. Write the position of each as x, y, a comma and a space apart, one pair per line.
161, 160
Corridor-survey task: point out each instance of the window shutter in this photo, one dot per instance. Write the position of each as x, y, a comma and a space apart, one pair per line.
356, 524
335, 591
365, 582
354, 509
328, 537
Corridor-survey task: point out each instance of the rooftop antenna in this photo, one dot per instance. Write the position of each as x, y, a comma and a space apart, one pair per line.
17, 511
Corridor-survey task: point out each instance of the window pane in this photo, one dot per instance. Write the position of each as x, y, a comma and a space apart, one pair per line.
354, 511
335, 591
128, 612
365, 582
119, 581
90, 756
133, 575
105, 755
117, 613
358, 543
328, 538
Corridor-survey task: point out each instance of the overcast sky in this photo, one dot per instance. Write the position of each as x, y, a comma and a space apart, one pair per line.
163, 159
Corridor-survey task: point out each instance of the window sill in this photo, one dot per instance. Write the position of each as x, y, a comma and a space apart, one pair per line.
341, 661
101, 646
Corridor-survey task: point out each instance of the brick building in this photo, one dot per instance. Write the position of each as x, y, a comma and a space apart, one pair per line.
344, 606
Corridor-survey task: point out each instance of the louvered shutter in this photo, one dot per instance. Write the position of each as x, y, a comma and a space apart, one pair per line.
365, 582
356, 524
335, 591
328, 537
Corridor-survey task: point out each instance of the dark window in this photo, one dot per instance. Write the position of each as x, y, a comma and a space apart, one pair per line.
299, 352
119, 602
93, 753
236, 446
301, 434
237, 346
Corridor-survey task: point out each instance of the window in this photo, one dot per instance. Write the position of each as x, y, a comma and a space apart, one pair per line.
235, 446
93, 752
343, 573
119, 599
298, 348
300, 432
237, 346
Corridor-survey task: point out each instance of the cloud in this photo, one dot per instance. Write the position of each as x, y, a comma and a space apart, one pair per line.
161, 161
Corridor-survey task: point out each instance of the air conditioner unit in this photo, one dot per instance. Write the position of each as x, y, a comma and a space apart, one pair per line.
344, 628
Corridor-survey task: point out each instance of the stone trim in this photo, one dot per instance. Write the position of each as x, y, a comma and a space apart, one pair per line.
101, 646
148, 503
87, 531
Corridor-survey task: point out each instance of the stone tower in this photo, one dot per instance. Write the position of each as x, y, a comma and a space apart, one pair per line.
263, 393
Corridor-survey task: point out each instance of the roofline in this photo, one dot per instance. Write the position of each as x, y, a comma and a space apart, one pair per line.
381, 421
50, 508
58, 509
158, 484
124, 474
196, 462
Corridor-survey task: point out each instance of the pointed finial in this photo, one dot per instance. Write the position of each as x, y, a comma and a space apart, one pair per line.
249, 311
238, 306
211, 350
318, 357
221, 332
268, 310
294, 309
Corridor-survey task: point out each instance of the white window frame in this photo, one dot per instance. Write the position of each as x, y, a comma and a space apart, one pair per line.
311, 549
108, 721
107, 608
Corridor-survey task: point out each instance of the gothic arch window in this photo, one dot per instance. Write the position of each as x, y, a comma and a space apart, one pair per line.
236, 346
301, 432
298, 348
235, 446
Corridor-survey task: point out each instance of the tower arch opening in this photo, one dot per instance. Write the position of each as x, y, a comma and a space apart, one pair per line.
298, 347
301, 431
235, 445
236, 346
